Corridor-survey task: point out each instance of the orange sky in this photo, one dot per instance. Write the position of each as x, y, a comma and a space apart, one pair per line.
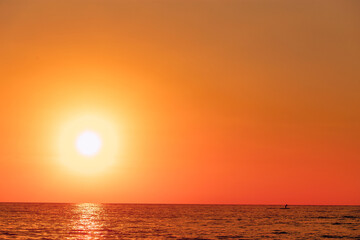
249, 102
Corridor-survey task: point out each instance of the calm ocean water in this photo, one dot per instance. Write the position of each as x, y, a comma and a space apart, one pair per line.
136, 221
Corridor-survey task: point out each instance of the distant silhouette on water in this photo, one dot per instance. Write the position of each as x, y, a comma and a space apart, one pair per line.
285, 207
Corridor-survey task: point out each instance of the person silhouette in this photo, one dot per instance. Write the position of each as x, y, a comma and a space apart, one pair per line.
286, 205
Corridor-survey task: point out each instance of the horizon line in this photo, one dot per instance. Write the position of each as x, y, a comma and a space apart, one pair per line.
129, 203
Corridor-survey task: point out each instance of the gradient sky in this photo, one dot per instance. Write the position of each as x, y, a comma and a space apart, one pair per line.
248, 102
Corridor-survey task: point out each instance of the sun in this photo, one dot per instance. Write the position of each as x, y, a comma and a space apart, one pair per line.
88, 144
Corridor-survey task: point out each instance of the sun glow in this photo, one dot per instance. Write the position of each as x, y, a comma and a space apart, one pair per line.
88, 144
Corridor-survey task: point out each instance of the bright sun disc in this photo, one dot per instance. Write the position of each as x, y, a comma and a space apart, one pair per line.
88, 143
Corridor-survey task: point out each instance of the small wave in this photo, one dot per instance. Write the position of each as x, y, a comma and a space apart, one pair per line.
7, 233
279, 232
332, 236
337, 223
231, 236
194, 238
351, 217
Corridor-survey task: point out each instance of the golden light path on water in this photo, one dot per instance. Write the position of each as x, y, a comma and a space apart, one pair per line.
87, 221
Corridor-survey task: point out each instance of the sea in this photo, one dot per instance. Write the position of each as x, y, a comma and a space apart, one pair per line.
166, 221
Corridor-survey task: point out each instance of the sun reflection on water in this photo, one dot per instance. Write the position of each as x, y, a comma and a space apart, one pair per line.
87, 221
